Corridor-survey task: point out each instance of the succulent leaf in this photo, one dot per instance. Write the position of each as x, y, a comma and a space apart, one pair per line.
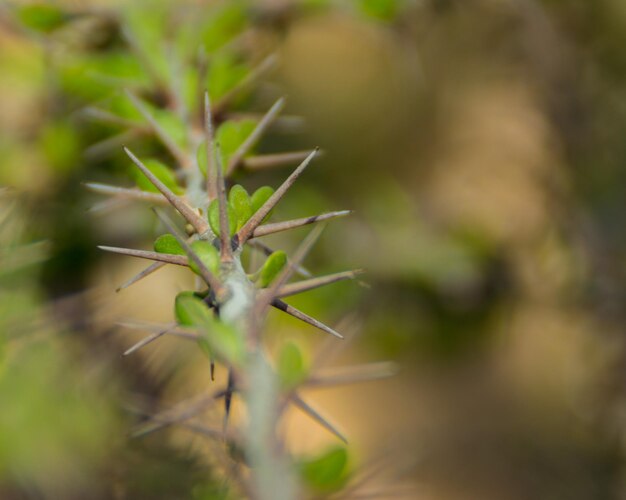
167, 243
272, 267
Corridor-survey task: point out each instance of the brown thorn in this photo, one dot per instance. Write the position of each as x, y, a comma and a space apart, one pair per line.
283, 306
190, 215
277, 227
130, 193
315, 415
353, 374
179, 260
211, 183
147, 340
247, 230
273, 160
226, 251
313, 283
155, 266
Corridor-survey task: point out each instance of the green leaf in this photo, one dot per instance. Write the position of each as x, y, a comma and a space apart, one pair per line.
190, 310
171, 123
201, 156
60, 145
260, 196
274, 264
240, 202
164, 174
41, 17
226, 342
328, 472
291, 368
224, 73
223, 24
214, 218
167, 243
385, 10
208, 255
231, 134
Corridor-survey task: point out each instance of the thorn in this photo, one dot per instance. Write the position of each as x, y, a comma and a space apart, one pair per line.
315, 415
209, 278
147, 271
179, 260
226, 251
283, 306
263, 162
277, 227
353, 374
155, 328
211, 183
306, 285
163, 136
104, 116
130, 193
254, 136
246, 231
190, 215
100, 149
147, 340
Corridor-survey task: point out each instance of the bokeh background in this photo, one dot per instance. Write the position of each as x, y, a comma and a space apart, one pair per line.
482, 145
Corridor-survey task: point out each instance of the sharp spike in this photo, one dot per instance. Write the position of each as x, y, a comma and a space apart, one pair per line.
254, 136
226, 251
190, 215
315, 415
306, 285
283, 306
147, 340
277, 227
353, 374
163, 136
104, 116
102, 148
130, 193
179, 260
264, 162
155, 328
247, 230
207, 275
211, 183
146, 272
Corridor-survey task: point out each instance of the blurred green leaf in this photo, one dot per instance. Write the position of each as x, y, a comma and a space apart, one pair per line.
231, 134
224, 73
60, 145
167, 243
385, 10
163, 173
208, 255
328, 472
291, 367
274, 264
41, 17
190, 310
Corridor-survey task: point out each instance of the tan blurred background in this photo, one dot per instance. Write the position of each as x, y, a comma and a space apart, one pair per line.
481, 145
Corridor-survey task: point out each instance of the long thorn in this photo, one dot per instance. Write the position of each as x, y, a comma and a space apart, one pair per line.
104, 116
130, 193
283, 306
181, 332
211, 184
209, 278
247, 230
100, 149
273, 160
306, 285
155, 266
226, 251
277, 227
179, 260
147, 340
163, 136
315, 415
254, 136
190, 215
353, 374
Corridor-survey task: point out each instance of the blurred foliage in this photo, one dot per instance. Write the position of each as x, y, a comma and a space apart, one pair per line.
481, 144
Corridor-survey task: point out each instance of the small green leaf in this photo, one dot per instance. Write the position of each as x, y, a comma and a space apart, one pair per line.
272, 267
291, 368
167, 243
226, 342
214, 218
328, 472
240, 202
41, 17
208, 255
201, 156
164, 174
224, 73
60, 145
231, 134
260, 196
190, 310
